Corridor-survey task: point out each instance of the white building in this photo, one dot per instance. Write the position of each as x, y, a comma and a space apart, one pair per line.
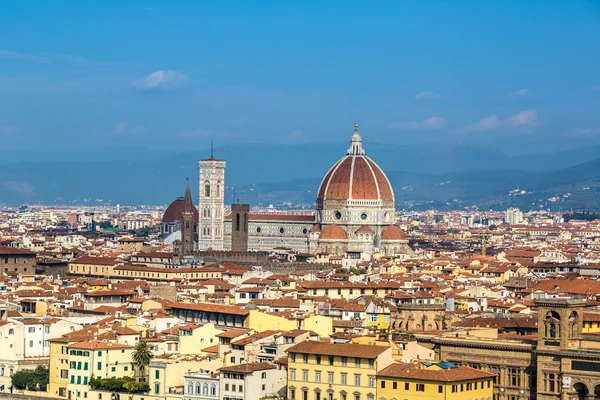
514, 216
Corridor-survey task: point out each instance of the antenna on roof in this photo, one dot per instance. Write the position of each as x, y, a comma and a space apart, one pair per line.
211, 149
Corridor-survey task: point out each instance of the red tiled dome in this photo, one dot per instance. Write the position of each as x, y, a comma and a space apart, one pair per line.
364, 229
333, 232
393, 232
355, 177
174, 211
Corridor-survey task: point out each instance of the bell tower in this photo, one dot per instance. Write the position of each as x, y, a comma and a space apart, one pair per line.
187, 225
560, 323
212, 203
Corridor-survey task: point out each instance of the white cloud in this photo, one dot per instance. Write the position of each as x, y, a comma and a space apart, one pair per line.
484, 124
10, 130
123, 127
520, 93
426, 124
523, 119
162, 80
585, 131
526, 118
428, 96
22, 56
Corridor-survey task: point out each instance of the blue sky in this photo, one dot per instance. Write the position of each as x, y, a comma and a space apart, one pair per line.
522, 76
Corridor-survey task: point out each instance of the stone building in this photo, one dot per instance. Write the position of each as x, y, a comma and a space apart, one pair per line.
354, 214
559, 363
17, 261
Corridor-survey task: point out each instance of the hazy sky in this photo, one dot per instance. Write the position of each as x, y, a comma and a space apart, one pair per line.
517, 75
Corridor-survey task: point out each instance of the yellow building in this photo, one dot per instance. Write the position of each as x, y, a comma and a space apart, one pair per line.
96, 359
325, 371
261, 321
59, 367
431, 381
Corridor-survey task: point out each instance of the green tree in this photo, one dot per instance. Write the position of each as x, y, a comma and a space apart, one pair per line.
142, 355
34, 380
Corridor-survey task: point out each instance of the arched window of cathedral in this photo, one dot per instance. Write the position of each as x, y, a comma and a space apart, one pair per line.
207, 189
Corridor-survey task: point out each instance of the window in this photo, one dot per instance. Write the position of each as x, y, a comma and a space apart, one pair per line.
99, 366
356, 379
469, 386
440, 388
227, 386
304, 394
263, 387
373, 317
330, 377
371, 363
113, 369
514, 377
305, 358
157, 388
292, 393
305, 375
330, 360
293, 356
317, 395
240, 388
395, 385
371, 381
344, 379
406, 386
157, 374
318, 376
85, 366
31, 329
344, 361
356, 396
382, 384
357, 362
293, 374
318, 358
263, 375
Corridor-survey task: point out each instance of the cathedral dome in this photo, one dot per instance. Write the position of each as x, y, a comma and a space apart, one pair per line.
333, 232
392, 232
355, 177
174, 211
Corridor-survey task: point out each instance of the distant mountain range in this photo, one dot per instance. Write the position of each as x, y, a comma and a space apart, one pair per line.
443, 175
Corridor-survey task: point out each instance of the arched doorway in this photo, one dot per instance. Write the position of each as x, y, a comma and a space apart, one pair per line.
582, 391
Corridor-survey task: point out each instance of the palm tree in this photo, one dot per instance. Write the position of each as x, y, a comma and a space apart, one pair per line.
142, 355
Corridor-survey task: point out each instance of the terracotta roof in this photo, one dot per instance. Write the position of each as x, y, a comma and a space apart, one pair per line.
408, 371
333, 232
248, 368
393, 232
174, 211
355, 177
97, 344
14, 251
341, 349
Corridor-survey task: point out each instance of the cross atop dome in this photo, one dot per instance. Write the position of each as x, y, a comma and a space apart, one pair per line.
356, 148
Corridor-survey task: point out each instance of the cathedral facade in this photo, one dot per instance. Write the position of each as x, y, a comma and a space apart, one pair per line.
354, 214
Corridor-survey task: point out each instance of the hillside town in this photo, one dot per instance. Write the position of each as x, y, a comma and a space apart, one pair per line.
353, 301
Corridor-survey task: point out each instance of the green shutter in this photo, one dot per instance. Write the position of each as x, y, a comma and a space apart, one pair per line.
157, 374
85, 366
99, 365
78, 364
79, 380
85, 380
72, 378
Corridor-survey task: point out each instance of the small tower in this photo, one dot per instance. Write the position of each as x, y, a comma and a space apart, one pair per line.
239, 227
356, 148
212, 203
187, 225
560, 323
